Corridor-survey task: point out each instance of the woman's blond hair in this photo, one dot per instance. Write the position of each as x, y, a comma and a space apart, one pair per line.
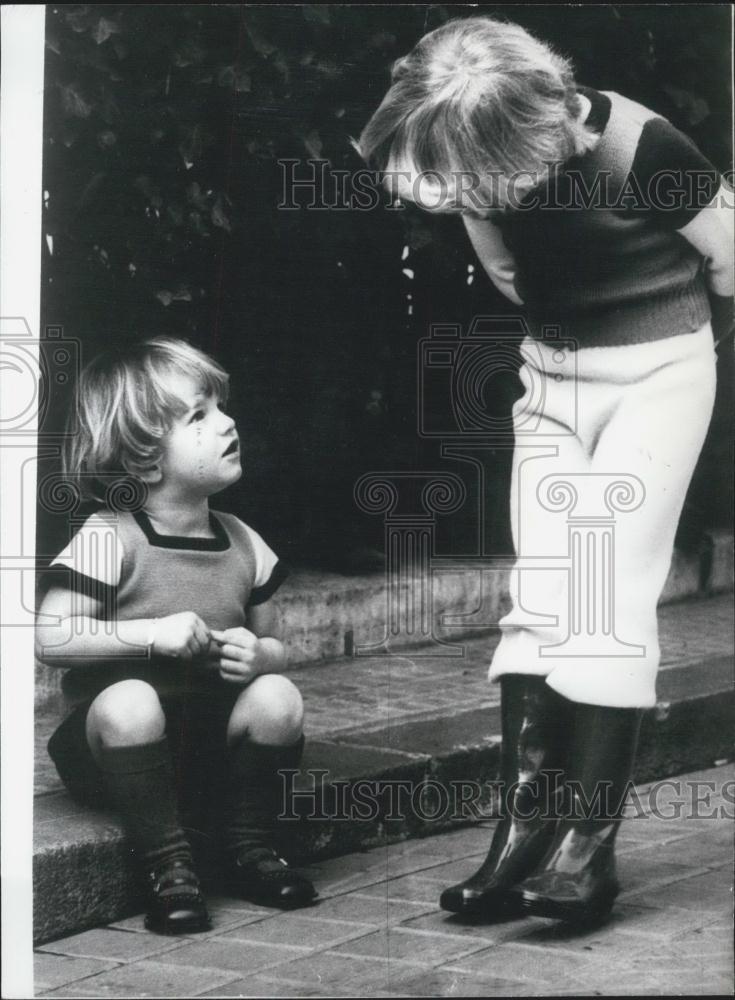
123, 407
481, 96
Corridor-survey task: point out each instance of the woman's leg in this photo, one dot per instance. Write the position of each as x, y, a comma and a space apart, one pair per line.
548, 442
654, 434
535, 721
533, 757
125, 731
264, 736
576, 880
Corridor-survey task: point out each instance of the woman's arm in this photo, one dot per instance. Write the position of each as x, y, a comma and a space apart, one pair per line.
494, 255
712, 233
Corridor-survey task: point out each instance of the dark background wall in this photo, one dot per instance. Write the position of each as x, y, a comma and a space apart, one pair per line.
163, 130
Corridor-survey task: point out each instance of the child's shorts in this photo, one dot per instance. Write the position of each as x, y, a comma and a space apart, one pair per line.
196, 729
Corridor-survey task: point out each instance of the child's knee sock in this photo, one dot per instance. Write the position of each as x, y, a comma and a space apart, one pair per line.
254, 793
140, 786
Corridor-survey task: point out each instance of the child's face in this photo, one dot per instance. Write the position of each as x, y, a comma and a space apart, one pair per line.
201, 452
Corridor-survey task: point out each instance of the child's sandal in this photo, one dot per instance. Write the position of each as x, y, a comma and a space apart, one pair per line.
176, 904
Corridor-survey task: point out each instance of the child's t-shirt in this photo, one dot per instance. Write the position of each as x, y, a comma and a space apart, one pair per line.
121, 560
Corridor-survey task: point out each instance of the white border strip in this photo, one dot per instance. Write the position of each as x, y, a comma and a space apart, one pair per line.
21, 129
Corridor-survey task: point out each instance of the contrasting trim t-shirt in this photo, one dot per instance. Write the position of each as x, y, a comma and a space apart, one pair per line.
136, 572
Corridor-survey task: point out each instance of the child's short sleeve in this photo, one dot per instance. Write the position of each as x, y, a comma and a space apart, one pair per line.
270, 572
93, 558
674, 178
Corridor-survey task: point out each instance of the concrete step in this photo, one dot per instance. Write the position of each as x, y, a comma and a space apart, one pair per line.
326, 615
390, 739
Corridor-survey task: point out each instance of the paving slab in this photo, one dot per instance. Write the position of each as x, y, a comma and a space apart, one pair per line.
419, 728
670, 932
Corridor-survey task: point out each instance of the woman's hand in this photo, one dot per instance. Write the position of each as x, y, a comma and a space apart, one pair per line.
240, 656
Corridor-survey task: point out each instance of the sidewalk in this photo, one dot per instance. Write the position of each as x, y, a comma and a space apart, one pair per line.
377, 929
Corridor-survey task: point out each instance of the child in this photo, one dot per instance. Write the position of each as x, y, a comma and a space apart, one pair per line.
603, 220
181, 702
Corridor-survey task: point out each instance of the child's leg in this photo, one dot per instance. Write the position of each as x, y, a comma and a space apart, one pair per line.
125, 730
264, 735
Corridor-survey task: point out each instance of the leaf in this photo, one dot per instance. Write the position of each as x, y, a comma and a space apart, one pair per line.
382, 41
106, 139
243, 82
218, 216
176, 214
190, 54
73, 103
329, 69
261, 44
69, 134
195, 197
235, 78
90, 189
146, 186
313, 144
79, 18
52, 43
280, 63
317, 13
226, 76
120, 48
182, 294
190, 146
695, 109
104, 29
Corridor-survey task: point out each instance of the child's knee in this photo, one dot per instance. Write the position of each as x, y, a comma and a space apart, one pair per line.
270, 710
124, 714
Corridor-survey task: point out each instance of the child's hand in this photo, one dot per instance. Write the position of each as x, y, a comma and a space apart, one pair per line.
184, 636
238, 654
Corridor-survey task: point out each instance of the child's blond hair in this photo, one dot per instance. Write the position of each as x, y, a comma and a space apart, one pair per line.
479, 96
123, 408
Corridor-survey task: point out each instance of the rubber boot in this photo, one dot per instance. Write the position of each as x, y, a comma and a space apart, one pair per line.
535, 730
576, 881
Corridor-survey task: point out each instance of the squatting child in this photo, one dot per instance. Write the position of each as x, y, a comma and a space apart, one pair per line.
601, 221
165, 620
